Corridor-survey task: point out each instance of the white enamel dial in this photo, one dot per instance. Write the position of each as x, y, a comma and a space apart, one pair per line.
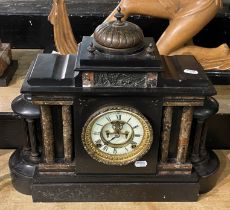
117, 135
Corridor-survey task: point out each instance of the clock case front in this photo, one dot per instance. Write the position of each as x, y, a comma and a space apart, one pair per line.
84, 107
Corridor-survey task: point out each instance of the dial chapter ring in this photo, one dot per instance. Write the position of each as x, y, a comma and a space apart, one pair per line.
114, 159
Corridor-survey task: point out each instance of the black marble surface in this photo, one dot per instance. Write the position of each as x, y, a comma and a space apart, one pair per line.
79, 7
138, 80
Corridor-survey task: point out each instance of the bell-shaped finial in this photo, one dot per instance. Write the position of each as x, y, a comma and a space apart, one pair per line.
119, 36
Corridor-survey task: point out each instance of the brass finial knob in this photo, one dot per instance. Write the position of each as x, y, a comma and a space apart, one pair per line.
91, 49
150, 49
119, 15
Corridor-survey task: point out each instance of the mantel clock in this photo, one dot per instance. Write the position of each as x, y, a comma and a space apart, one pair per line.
116, 116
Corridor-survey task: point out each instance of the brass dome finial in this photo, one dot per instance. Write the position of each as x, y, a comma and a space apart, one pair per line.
118, 37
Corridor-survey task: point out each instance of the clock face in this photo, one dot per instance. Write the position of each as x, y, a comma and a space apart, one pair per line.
117, 135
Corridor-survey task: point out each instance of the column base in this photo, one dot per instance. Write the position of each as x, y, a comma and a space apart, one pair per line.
207, 171
22, 170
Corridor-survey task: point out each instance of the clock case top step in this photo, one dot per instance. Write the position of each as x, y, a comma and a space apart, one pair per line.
100, 62
63, 74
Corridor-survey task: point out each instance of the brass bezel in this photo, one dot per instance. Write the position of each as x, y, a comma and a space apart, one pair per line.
123, 159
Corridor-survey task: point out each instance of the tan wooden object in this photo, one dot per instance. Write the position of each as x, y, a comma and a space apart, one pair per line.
5, 57
63, 35
187, 18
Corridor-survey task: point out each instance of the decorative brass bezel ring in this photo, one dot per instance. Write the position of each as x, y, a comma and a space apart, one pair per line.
122, 159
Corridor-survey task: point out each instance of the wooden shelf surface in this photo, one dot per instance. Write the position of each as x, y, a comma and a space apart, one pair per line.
7, 94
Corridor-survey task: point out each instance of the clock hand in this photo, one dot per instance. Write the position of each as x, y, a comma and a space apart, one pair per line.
116, 136
112, 139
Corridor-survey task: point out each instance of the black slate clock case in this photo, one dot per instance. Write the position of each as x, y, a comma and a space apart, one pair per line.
175, 97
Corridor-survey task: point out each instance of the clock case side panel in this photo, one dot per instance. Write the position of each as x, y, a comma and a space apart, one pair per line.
84, 107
